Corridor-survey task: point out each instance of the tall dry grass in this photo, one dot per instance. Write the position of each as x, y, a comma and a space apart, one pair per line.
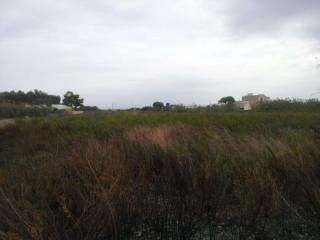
159, 182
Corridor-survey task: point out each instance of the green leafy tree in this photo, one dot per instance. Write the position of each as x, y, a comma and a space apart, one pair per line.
35, 97
72, 100
158, 105
227, 100
89, 108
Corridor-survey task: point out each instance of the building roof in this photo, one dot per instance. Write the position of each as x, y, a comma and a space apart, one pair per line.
61, 107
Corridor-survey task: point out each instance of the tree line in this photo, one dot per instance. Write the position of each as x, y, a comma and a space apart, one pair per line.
38, 103
36, 97
228, 104
8, 100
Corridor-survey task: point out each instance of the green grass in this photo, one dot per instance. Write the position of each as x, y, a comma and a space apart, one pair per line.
234, 121
161, 175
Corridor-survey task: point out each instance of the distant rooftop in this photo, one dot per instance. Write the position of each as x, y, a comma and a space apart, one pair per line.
61, 107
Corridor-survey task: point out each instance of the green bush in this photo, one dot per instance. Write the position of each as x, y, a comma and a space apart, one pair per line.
8, 110
290, 105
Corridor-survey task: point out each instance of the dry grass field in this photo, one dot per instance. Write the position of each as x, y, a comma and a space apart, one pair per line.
161, 176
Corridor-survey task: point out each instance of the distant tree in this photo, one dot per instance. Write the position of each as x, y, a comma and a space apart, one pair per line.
30, 96
72, 100
89, 108
168, 106
227, 100
158, 105
54, 99
146, 108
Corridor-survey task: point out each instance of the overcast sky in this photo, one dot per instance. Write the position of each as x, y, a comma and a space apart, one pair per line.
134, 52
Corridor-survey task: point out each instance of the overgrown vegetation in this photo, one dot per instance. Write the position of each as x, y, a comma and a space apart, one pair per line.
11, 110
15, 104
228, 104
290, 105
161, 176
36, 97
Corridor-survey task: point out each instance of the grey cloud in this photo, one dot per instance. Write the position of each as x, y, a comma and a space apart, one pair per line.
135, 18
126, 51
261, 16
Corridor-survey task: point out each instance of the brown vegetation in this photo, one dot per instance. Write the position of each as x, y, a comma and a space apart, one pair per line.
165, 182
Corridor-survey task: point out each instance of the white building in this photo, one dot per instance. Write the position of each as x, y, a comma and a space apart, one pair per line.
61, 107
251, 100
243, 105
255, 99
